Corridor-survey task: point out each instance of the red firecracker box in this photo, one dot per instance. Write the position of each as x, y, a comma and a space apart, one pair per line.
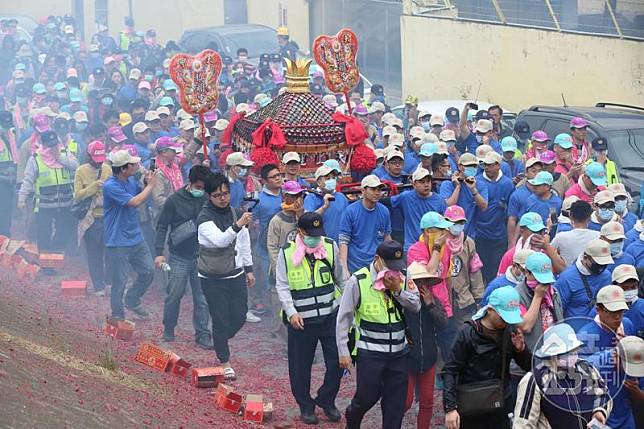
207, 377
177, 365
153, 356
74, 287
122, 329
254, 408
227, 399
52, 260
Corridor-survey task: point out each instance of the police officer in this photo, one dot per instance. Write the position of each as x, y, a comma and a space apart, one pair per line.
288, 48
600, 155
373, 300
309, 281
49, 174
8, 158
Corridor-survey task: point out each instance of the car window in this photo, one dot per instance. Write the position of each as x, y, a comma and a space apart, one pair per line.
626, 149
533, 121
553, 127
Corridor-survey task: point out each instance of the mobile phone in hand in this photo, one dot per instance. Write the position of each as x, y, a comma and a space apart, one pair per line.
153, 164
474, 106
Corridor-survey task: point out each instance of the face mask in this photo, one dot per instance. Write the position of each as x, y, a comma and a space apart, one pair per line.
606, 214
616, 248
567, 361
106, 101
329, 185
81, 126
61, 94
596, 269
449, 173
620, 206
479, 138
197, 193
630, 295
311, 242
532, 284
243, 172
456, 229
159, 73
426, 126
469, 171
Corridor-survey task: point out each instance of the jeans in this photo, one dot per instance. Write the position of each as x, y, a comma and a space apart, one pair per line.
491, 252
227, 302
259, 293
54, 229
95, 247
140, 259
183, 271
7, 194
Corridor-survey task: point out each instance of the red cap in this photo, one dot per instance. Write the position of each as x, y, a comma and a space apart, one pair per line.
96, 151
116, 134
41, 123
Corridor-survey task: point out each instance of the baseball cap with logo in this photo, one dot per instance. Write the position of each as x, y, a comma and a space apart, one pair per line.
492, 158
624, 272
455, 214
612, 297
144, 84
312, 224
558, 339
428, 149
96, 151
420, 174
509, 144
452, 115
396, 122
39, 89
540, 266
49, 139
481, 114
482, 150
124, 118
391, 252
505, 301
152, 115
447, 136
122, 157
334, 165
618, 190
542, 178
139, 127
578, 123
75, 95
567, 202
163, 110
612, 231
441, 148
540, 136
547, 157
72, 72
632, 353
394, 154
237, 158
116, 134
599, 251
522, 128
434, 220
59, 86
291, 156
467, 159
164, 143
198, 130
182, 114
596, 173
371, 181
532, 221
563, 140
483, 126
396, 140
603, 197
41, 123
600, 144
169, 85
416, 132
388, 131
376, 106
135, 74
80, 116
166, 101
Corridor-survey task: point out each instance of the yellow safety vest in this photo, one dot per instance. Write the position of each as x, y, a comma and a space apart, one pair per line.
54, 186
612, 176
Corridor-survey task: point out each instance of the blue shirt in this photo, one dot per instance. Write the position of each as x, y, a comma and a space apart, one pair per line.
563, 227
144, 153
543, 207
632, 236
624, 258
636, 250
629, 221
491, 223
635, 314
237, 192
516, 167
466, 201
517, 201
498, 282
121, 221
397, 220
264, 211
596, 338
413, 207
332, 215
362, 230
412, 159
379, 171
574, 299
471, 143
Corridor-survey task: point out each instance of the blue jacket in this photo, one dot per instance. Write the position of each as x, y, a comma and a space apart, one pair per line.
498, 282
636, 250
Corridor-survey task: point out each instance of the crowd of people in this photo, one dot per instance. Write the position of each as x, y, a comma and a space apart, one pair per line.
506, 272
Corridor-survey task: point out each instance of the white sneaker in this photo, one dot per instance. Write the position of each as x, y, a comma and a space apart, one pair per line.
251, 318
229, 373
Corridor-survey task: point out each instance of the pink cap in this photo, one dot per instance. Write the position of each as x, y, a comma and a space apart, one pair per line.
292, 187
540, 136
210, 116
547, 157
116, 134
455, 214
71, 72
131, 149
144, 84
578, 123
164, 142
360, 110
96, 151
108, 60
41, 123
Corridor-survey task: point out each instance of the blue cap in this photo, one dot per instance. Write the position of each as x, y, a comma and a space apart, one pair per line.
75, 95
169, 85
505, 301
564, 141
434, 220
542, 178
532, 221
509, 144
428, 149
540, 265
334, 165
60, 86
39, 88
20, 66
596, 173
166, 101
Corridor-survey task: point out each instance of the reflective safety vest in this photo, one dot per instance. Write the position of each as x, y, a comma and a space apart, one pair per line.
612, 176
72, 147
54, 186
380, 330
314, 292
7, 164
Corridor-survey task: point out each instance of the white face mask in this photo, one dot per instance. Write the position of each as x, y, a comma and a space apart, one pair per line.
567, 361
630, 296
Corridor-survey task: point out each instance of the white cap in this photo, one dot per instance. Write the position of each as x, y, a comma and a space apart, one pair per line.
237, 158
612, 231
221, 124
424, 113
612, 297
396, 122
242, 107
182, 114
396, 140
64, 115
80, 116
151, 115
322, 170
290, 156
604, 197
187, 124
371, 181
441, 148
567, 202
416, 132
618, 190
330, 100
163, 110
135, 74
122, 157
420, 174
483, 126
624, 272
447, 135
394, 154
483, 150
521, 255
599, 250
197, 132
388, 131
387, 118
492, 158
436, 120
139, 127
376, 106
430, 138
632, 352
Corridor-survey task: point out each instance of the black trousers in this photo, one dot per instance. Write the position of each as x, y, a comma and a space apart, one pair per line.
95, 247
301, 350
54, 229
497, 420
491, 252
227, 303
7, 201
378, 378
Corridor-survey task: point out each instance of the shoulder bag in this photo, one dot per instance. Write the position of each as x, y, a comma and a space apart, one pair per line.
79, 208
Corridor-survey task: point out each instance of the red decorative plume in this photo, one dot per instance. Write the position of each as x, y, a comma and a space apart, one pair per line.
262, 156
354, 132
227, 136
363, 159
277, 139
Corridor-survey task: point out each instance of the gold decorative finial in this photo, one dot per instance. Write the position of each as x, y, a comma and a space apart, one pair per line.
297, 75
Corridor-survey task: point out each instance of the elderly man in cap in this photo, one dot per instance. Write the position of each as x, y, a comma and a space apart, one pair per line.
544, 396
168, 172
566, 164
326, 201
309, 282
518, 198
122, 196
613, 234
49, 176
581, 145
363, 226
373, 301
579, 283
237, 167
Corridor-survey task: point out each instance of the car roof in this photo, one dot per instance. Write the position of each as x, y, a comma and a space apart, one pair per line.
605, 116
231, 29
440, 106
